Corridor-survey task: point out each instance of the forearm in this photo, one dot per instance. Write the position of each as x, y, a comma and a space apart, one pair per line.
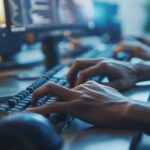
143, 70
138, 116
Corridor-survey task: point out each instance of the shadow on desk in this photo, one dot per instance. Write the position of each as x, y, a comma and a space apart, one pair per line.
83, 136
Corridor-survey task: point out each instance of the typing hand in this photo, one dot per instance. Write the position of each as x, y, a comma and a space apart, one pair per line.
122, 75
91, 102
134, 49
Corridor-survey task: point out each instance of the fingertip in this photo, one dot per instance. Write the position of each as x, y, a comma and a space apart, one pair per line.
35, 110
71, 82
33, 101
34, 97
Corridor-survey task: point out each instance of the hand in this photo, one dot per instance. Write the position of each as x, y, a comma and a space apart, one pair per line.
134, 49
91, 102
122, 75
143, 40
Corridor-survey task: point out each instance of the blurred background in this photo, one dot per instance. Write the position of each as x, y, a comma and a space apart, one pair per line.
75, 28
134, 16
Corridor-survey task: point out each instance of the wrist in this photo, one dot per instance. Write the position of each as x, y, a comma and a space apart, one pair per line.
137, 115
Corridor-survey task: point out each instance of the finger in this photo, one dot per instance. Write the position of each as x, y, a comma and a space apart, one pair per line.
57, 107
102, 69
53, 90
76, 67
122, 48
87, 73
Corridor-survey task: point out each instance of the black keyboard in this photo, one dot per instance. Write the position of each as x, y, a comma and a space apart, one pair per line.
21, 101
99, 52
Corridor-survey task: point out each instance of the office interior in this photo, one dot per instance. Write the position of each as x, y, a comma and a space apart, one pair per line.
38, 37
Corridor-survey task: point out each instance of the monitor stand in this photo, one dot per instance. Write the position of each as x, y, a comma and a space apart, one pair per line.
45, 51
50, 50
14, 54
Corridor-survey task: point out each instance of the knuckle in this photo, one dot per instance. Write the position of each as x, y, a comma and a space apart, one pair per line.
78, 62
90, 82
81, 87
35, 94
48, 85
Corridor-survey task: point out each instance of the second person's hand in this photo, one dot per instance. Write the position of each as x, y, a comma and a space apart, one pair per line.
121, 75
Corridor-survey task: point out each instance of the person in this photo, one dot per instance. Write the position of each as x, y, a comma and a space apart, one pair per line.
98, 104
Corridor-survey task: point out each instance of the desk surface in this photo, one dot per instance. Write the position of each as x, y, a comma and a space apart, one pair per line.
82, 136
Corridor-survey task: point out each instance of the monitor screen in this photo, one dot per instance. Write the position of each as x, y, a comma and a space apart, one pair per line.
75, 12
40, 14
2, 14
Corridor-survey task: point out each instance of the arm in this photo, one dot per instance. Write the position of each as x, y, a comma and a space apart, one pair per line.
138, 115
97, 104
134, 49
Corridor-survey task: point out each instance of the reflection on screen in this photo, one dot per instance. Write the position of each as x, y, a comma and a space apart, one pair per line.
30, 13
49, 13
75, 11
2, 14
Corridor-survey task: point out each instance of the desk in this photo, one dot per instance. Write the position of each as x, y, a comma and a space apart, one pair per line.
10, 85
83, 136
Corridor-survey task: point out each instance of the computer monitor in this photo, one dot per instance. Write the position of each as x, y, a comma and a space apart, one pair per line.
9, 43
41, 16
2, 15
30, 15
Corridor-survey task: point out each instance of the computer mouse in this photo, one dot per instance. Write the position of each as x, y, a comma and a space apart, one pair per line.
28, 131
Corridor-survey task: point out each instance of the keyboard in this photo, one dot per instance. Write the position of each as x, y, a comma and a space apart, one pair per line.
105, 51
21, 101
99, 51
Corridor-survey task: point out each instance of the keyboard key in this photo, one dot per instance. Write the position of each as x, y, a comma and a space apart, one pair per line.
22, 105
5, 106
19, 107
2, 109
49, 102
14, 110
12, 102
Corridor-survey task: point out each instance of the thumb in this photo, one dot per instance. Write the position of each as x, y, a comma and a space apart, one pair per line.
57, 107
